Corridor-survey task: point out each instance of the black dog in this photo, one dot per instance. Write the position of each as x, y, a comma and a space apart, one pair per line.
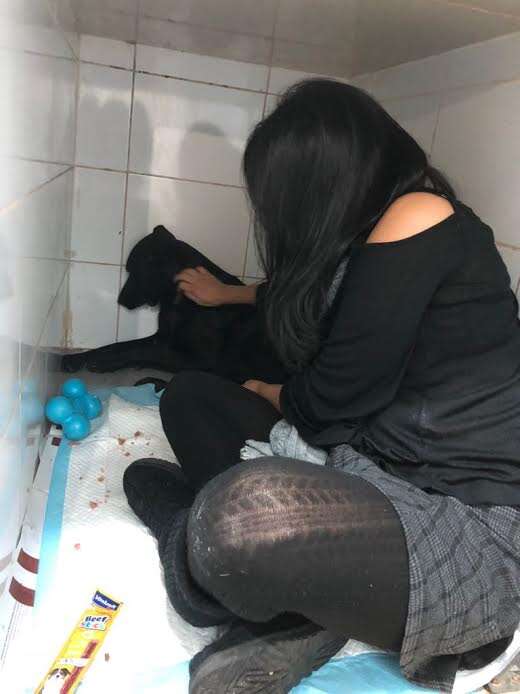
225, 340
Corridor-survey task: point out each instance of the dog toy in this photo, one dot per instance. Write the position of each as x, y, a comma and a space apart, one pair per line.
73, 409
80, 649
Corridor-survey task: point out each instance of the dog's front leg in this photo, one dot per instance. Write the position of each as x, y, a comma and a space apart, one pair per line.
119, 355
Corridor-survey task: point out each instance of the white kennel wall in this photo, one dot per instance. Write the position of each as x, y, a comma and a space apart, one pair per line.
160, 140
463, 107
39, 69
161, 133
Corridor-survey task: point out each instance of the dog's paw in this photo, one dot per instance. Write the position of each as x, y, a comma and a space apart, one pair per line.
102, 365
73, 362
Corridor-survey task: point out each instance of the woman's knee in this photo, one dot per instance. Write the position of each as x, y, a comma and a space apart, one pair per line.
221, 553
184, 396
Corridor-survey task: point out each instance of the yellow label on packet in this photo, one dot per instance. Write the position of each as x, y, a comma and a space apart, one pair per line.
79, 650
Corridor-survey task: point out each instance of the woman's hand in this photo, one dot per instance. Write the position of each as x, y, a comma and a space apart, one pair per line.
269, 391
201, 286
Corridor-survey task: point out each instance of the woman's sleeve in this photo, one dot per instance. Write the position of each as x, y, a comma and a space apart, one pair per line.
376, 317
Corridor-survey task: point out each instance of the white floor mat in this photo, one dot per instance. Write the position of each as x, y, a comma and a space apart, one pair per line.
103, 545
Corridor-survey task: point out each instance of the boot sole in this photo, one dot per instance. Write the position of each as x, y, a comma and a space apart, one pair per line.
273, 664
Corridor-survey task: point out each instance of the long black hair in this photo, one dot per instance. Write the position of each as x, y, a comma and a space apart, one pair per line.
320, 171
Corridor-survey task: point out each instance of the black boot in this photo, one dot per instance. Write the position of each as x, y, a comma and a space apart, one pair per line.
160, 496
271, 657
156, 490
193, 604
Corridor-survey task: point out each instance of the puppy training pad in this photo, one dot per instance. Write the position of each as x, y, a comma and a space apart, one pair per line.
92, 540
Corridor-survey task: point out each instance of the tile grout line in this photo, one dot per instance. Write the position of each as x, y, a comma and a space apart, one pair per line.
62, 30
131, 172
18, 201
19, 51
217, 30
161, 176
67, 337
264, 107
435, 128
482, 10
25, 375
167, 76
445, 90
125, 196
509, 246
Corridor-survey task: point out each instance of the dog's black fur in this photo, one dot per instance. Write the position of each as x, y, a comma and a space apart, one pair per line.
225, 340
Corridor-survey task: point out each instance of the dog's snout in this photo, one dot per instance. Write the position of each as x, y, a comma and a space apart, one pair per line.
128, 297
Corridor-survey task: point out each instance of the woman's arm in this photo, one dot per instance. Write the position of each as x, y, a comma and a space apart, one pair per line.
269, 391
205, 289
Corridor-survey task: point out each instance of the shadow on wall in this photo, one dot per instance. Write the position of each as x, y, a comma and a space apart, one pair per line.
106, 114
194, 212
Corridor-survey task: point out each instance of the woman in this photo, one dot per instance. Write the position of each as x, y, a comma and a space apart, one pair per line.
405, 370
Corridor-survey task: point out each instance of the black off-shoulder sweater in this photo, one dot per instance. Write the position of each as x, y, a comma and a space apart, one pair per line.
420, 369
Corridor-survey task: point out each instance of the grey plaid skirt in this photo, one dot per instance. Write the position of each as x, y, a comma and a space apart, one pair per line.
464, 564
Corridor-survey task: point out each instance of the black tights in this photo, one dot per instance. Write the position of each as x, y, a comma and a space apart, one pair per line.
279, 535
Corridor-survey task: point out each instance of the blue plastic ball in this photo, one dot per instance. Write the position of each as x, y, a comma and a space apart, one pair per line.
89, 405
58, 409
76, 427
73, 388
78, 405
92, 406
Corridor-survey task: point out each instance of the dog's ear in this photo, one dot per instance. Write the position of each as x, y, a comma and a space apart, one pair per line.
162, 231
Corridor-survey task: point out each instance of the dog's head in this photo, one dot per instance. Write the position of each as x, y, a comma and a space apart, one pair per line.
152, 264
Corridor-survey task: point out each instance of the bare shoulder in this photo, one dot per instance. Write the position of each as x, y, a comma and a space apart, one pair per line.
409, 215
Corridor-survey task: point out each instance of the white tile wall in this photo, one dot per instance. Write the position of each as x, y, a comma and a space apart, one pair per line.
32, 28
252, 267
96, 49
42, 219
478, 144
511, 258
226, 15
55, 332
191, 115
463, 106
97, 229
280, 79
496, 60
202, 68
37, 296
103, 117
215, 219
138, 323
93, 310
418, 115
491, 61
188, 130
43, 99
270, 103
204, 40
23, 177
37, 132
